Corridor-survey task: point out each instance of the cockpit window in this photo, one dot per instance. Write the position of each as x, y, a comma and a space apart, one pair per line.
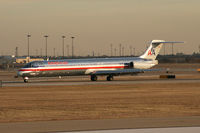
27, 65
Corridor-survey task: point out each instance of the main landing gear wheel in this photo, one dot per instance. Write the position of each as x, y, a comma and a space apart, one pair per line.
93, 77
110, 78
25, 79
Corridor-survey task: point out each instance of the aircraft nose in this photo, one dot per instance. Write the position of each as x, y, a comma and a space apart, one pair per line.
19, 73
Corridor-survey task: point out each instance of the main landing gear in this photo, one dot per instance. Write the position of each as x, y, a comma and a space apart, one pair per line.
94, 78
110, 78
25, 79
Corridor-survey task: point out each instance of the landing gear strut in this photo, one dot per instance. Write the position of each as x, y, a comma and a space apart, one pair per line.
110, 78
93, 77
25, 79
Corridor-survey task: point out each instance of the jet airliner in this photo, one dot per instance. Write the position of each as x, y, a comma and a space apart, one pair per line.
94, 67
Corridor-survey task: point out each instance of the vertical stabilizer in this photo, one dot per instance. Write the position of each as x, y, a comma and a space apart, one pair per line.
153, 50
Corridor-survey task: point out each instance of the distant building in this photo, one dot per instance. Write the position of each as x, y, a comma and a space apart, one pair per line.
23, 60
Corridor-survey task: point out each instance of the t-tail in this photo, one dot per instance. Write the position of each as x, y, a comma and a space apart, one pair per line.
154, 49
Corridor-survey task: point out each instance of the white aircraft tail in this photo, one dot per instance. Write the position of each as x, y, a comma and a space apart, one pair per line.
154, 49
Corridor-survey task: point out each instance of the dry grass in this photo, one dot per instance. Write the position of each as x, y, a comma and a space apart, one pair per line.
99, 102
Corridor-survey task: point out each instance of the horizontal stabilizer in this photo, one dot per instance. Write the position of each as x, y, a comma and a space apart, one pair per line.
154, 49
166, 42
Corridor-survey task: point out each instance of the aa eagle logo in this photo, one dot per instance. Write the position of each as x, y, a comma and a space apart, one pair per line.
151, 52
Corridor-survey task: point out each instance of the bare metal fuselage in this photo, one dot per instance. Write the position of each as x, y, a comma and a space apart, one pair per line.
95, 66
74, 67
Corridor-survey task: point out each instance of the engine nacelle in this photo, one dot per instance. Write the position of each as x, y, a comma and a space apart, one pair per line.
129, 65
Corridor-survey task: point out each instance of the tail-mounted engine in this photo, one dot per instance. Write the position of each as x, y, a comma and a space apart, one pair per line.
129, 65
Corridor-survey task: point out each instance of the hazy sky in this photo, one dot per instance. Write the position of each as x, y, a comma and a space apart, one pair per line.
98, 23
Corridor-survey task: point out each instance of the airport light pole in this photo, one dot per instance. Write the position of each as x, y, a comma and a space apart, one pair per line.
131, 50
123, 51
111, 49
46, 36
54, 52
28, 36
72, 46
16, 52
120, 48
93, 53
63, 45
115, 52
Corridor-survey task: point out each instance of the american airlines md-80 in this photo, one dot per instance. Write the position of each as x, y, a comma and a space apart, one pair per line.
95, 66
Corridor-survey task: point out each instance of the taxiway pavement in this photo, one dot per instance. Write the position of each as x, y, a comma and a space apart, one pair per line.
88, 125
39, 82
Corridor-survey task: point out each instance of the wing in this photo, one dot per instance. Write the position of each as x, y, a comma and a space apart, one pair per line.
120, 71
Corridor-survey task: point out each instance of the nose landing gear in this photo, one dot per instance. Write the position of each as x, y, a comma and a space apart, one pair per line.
25, 79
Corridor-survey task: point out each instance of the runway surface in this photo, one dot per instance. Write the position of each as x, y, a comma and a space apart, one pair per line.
94, 125
149, 130
83, 82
